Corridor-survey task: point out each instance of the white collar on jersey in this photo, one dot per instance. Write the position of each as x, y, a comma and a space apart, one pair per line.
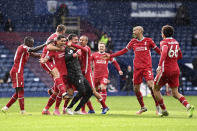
169, 38
141, 39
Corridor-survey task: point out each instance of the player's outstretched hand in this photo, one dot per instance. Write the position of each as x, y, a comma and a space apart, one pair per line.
79, 52
120, 73
106, 56
158, 69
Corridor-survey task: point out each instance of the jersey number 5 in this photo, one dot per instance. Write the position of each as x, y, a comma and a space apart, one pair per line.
172, 52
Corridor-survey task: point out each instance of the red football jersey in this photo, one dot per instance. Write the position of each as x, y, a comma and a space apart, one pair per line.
169, 63
51, 37
85, 60
142, 52
57, 58
60, 62
20, 58
101, 65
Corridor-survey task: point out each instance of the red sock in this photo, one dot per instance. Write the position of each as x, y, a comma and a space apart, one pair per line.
83, 108
156, 102
183, 101
89, 104
140, 98
21, 98
103, 103
58, 101
104, 94
66, 102
162, 105
12, 100
51, 101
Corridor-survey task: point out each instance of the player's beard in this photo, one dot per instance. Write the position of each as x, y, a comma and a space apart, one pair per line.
134, 36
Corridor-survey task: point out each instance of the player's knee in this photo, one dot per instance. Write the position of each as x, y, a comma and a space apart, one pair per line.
175, 95
136, 89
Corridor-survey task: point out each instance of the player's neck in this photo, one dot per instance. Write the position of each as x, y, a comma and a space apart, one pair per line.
140, 38
168, 38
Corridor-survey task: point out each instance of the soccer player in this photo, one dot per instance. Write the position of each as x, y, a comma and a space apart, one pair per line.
21, 57
60, 30
48, 64
76, 78
142, 64
85, 60
101, 72
168, 70
61, 66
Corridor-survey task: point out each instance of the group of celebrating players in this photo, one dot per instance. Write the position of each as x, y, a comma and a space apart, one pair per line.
69, 61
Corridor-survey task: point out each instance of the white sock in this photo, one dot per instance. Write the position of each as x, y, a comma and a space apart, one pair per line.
188, 106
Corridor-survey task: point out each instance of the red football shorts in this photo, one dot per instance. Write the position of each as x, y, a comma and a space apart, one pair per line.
138, 75
89, 77
17, 79
172, 78
100, 80
48, 66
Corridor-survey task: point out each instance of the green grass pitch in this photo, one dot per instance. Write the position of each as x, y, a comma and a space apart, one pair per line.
121, 117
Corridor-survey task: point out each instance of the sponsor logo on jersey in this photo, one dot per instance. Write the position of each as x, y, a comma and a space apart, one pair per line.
61, 55
140, 49
101, 61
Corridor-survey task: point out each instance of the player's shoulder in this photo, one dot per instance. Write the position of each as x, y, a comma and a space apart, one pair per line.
163, 42
87, 47
23, 47
94, 53
53, 35
133, 40
148, 39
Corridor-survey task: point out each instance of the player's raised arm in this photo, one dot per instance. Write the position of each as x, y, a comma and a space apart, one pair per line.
51, 46
79, 47
155, 48
34, 49
35, 55
119, 53
164, 54
117, 66
29, 43
125, 50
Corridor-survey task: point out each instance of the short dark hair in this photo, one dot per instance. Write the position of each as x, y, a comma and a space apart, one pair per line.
61, 28
28, 40
168, 31
59, 37
70, 36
